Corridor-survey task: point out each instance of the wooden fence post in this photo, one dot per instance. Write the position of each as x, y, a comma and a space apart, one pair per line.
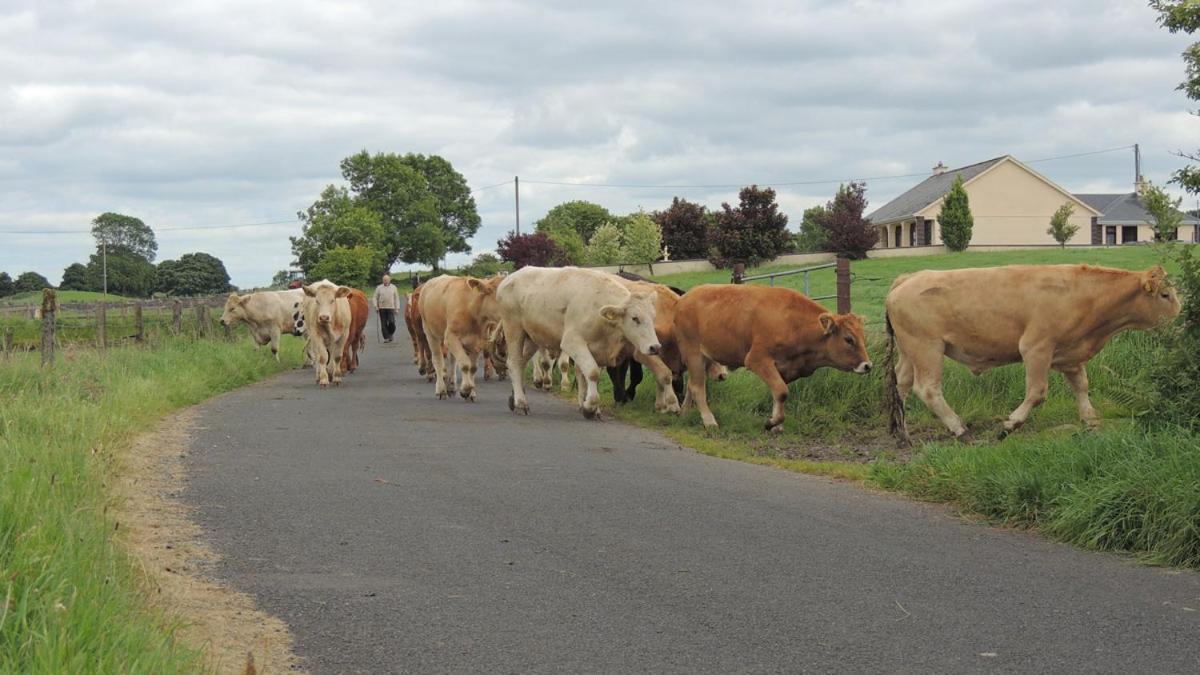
8, 343
177, 317
202, 320
48, 310
739, 271
843, 285
101, 326
139, 326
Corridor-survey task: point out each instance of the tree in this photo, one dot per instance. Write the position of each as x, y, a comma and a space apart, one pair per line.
417, 226
581, 216
75, 278
955, 217
119, 231
346, 266
455, 205
484, 265
192, 274
31, 281
847, 233
128, 272
753, 232
568, 240
685, 226
537, 250
605, 246
336, 220
1060, 224
281, 279
642, 243
1183, 16
1164, 212
7, 287
812, 237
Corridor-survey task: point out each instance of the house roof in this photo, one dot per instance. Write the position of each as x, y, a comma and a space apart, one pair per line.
1124, 209
927, 192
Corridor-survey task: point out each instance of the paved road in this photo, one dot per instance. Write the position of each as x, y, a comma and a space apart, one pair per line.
397, 533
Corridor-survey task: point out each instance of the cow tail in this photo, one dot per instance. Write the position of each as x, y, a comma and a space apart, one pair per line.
895, 406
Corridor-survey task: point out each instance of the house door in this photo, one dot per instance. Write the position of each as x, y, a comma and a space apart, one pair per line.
928, 232
899, 231
1110, 235
1128, 233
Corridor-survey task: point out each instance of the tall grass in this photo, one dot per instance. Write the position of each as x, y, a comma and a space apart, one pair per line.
70, 599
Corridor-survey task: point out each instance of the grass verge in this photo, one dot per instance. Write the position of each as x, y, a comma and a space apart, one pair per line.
72, 599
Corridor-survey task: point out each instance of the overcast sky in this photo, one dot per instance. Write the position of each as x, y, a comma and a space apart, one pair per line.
205, 113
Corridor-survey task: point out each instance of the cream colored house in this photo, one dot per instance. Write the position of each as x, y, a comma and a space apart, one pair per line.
1011, 205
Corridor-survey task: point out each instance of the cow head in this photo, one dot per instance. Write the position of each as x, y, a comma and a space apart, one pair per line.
1158, 300
235, 310
635, 317
845, 342
322, 297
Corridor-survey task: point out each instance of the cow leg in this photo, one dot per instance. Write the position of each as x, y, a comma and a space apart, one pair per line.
904, 376
697, 387
564, 366
1037, 375
617, 375
337, 366
635, 378
926, 365
488, 368
664, 399
274, 339
761, 363
466, 363
320, 361
439, 364
1077, 377
517, 357
587, 372
539, 369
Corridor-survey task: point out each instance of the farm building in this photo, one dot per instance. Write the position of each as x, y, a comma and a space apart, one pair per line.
1012, 205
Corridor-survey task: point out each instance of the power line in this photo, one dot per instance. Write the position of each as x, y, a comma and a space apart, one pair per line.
489, 187
159, 229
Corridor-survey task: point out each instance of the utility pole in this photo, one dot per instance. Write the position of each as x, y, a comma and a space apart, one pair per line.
1137, 168
104, 265
517, 194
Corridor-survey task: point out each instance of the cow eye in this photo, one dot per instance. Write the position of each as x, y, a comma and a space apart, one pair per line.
637, 321
850, 340
1165, 295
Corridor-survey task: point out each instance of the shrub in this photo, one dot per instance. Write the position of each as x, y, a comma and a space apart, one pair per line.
582, 217
1060, 225
484, 265
642, 243
1175, 375
812, 237
955, 218
605, 246
75, 278
847, 233
753, 232
685, 229
345, 266
537, 249
31, 281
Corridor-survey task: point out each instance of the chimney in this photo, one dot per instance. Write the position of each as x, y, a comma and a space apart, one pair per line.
939, 169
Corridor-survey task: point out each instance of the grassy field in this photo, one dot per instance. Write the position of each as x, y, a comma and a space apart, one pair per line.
35, 297
1093, 489
74, 327
70, 599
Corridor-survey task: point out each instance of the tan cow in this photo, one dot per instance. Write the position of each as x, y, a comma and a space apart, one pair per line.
1047, 316
777, 333
327, 322
455, 312
267, 314
589, 315
416, 330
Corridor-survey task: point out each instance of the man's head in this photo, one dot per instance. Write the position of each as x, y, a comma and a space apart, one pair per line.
387, 280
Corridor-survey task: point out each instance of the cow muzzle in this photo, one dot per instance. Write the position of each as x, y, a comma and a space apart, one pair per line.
863, 368
654, 349
323, 319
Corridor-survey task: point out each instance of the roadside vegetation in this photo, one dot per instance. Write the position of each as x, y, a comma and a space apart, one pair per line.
71, 598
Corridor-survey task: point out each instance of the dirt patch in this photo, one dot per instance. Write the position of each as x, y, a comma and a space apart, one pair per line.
157, 530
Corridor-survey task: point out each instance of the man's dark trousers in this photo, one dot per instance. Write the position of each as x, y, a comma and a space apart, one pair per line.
387, 319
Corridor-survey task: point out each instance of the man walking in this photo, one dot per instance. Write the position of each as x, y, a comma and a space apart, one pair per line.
386, 299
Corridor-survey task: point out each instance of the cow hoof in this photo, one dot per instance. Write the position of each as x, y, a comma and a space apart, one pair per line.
442, 395
966, 438
323, 385
512, 405
591, 414
469, 395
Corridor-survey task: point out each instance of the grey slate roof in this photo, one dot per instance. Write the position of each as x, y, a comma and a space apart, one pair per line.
1123, 209
926, 192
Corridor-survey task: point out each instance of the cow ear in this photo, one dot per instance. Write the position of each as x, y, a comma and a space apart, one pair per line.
612, 312
827, 323
310, 291
342, 291
1153, 279
479, 286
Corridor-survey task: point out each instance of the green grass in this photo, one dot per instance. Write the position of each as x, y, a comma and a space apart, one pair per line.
35, 297
72, 327
71, 600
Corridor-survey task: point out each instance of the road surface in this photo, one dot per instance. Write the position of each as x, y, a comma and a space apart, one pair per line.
395, 532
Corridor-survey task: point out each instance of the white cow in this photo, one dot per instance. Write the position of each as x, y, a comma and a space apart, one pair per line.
268, 314
588, 315
327, 323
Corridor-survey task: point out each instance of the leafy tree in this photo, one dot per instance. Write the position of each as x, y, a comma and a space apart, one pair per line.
1183, 16
572, 245
129, 273
605, 246
75, 278
7, 287
407, 207
536, 249
955, 217
281, 279
31, 281
581, 216
685, 226
753, 232
847, 232
642, 243
1164, 212
346, 266
484, 265
192, 274
126, 232
333, 221
1060, 224
455, 205
812, 237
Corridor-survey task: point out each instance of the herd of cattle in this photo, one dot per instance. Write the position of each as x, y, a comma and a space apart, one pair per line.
1046, 316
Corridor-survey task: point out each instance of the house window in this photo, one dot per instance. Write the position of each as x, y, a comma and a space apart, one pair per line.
928, 232
1110, 235
899, 228
1128, 234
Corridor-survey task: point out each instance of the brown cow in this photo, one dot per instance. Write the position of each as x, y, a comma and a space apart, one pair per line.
356, 341
777, 333
416, 330
455, 312
1047, 316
